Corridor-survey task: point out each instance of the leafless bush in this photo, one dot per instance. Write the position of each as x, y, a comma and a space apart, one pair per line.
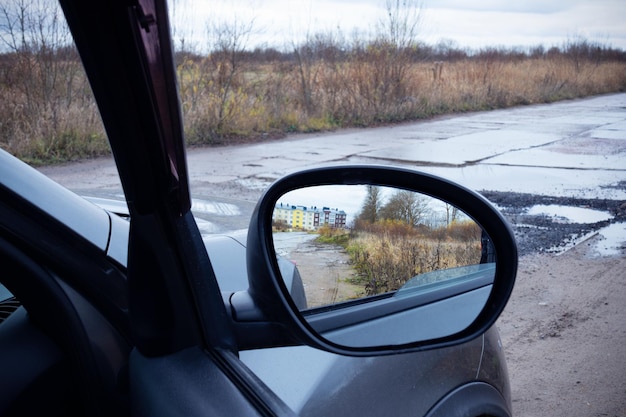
47, 110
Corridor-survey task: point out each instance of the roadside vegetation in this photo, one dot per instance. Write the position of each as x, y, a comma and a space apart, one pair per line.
233, 93
394, 241
361, 85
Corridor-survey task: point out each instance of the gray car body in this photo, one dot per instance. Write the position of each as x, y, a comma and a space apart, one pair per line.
470, 378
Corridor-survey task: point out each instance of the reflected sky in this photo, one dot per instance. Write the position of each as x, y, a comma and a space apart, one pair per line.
349, 198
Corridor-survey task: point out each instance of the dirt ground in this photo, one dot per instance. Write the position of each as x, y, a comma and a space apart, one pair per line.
325, 274
564, 334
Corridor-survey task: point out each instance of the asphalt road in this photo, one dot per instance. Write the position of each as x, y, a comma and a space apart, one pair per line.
571, 149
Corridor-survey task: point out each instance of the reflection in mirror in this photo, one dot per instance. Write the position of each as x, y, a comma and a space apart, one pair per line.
376, 262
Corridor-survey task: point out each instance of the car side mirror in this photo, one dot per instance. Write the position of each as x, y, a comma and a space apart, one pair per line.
363, 260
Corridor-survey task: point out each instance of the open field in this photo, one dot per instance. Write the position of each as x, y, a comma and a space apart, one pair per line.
48, 113
370, 90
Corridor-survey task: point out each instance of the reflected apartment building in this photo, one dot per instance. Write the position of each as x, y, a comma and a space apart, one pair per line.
308, 218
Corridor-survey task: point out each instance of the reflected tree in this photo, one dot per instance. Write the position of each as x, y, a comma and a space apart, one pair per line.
371, 205
406, 206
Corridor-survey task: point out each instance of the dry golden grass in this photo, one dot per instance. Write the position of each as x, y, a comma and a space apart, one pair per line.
285, 97
48, 113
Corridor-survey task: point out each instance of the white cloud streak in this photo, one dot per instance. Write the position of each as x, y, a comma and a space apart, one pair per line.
471, 24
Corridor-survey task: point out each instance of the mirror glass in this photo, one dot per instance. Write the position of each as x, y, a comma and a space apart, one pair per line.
371, 266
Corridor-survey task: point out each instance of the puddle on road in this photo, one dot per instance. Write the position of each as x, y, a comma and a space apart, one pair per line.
610, 240
613, 241
567, 214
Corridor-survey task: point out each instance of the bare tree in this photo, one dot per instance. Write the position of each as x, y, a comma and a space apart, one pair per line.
371, 205
401, 25
388, 58
318, 62
451, 214
43, 77
228, 44
306, 58
34, 32
406, 206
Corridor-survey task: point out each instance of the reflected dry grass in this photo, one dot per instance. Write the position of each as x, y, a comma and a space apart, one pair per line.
384, 263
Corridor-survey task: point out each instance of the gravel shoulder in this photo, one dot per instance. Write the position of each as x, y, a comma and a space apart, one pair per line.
564, 335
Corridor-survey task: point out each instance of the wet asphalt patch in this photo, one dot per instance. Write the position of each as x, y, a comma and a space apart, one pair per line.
549, 233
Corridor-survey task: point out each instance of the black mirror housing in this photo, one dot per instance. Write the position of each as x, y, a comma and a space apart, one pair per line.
269, 302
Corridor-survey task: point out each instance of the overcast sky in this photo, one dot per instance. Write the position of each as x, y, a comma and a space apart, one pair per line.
474, 24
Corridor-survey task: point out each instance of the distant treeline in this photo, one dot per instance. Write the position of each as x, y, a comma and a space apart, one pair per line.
324, 48
232, 93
